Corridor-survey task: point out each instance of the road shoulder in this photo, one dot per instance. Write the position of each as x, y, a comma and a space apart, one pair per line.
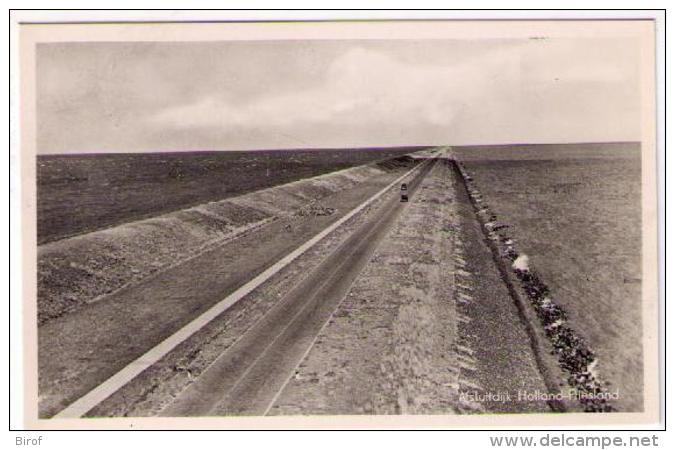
389, 347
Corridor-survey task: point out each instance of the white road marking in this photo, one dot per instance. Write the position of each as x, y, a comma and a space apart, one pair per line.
104, 390
311, 345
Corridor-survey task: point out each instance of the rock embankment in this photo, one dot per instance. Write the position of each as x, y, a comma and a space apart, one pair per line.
574, 355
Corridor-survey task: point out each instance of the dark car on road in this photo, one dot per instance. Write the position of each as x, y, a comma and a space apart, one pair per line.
404, 192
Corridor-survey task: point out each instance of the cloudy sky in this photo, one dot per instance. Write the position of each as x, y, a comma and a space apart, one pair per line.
159, 96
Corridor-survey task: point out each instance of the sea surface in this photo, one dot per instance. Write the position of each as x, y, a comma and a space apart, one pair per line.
82, 193
575, 210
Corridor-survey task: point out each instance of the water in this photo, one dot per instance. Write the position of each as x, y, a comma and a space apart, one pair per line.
82, 193
575, 210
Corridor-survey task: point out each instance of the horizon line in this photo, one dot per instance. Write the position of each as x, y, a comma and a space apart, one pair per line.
392, 147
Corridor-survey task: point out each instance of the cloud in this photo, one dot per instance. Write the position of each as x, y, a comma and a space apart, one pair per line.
511, 86
361, 85
337, 93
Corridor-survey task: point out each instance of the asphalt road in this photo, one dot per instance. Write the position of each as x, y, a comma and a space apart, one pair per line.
79, 351
247, 378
